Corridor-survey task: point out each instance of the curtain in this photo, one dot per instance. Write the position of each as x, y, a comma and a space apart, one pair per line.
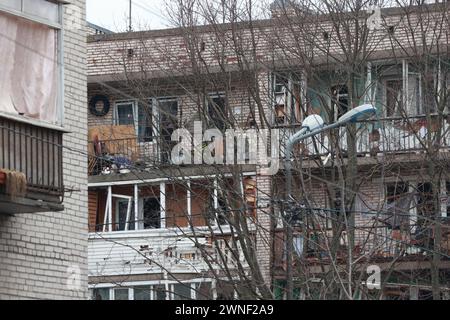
28, 76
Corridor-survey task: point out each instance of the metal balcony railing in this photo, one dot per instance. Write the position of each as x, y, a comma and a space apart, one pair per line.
391, 135
124, 155
36, 152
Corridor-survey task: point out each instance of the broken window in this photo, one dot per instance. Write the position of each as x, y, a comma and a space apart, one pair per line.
399, 89
339, 101
394, 97
398, 205
168, 110
220, 207
217, 112
286, 98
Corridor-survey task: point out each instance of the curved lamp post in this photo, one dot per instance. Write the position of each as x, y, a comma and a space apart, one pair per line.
311, 126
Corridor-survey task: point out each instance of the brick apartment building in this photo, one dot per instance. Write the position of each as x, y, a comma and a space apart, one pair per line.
43, 124
152, 223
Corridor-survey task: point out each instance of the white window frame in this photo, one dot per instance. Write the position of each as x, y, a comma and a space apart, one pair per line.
156, 117
58, 26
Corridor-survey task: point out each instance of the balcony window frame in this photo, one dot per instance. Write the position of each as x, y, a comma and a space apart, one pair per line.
135, 106
58, 26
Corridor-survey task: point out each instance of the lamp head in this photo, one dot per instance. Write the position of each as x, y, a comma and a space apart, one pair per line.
313, 122
360, 113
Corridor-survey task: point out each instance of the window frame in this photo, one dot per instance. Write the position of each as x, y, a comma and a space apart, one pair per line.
59, 28
211, 108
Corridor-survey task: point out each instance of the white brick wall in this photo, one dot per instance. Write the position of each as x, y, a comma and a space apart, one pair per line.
36, 250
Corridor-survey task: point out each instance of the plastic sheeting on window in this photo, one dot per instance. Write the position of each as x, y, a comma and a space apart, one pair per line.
28, 77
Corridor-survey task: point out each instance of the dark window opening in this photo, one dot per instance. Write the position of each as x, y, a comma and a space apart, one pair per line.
145, 127
152, 213
125, 114
168, 109
394, 97
339, 100
217, 112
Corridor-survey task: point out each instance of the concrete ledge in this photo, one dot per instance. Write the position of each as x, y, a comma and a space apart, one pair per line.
24, 205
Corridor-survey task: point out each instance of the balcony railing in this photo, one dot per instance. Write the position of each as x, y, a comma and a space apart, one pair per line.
124, 155
36, 152
395, 135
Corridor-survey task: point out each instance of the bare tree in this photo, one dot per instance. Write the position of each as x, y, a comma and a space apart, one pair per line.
233, 68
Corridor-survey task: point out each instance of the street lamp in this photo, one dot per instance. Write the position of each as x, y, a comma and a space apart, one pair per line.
311, 126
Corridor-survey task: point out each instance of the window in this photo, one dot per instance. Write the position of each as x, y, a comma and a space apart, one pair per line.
447, 184
123, 205
395, 191
182, 291
139, 115
287, 98
160, 292
401, 89
219, 208
33, 9
125, 114
398, 205
394, 97
152, 213
280, 96
339, 100
100, 294
142, 293
168, 109
30, 41
121, 294
204, 291
217, 111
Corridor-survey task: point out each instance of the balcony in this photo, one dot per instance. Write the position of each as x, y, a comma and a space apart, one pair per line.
383, 136
375, 241
31, 178
119, 156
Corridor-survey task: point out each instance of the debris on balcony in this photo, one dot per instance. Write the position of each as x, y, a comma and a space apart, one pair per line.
15, 183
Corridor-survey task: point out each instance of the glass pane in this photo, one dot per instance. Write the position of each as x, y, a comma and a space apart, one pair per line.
145, 123
100, 294
13, 4
160, 292
182, 291
142, 293
41, 8
120, 294
125, 114
122, 207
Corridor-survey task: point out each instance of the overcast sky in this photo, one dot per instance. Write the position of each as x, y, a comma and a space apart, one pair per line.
112, 14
